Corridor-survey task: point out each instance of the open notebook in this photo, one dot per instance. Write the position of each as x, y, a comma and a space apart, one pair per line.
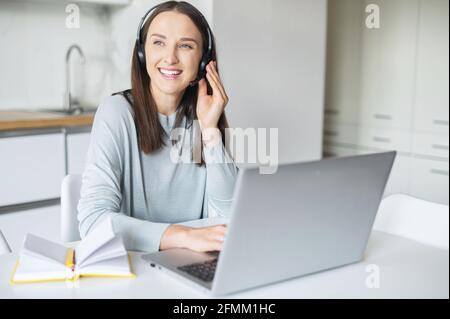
101, 254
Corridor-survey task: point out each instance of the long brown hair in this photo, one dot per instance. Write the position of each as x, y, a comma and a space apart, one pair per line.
150, 132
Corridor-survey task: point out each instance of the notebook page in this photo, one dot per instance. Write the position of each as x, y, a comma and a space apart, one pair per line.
95, 239
118, 266
113, 248
42, 248
31, 269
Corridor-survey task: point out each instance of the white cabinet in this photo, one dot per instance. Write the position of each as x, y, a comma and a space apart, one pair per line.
31, 168
388, 65
340, 133
436, 145
430, 180
431, 108
343, 61
387, 89
77, 147
384, 139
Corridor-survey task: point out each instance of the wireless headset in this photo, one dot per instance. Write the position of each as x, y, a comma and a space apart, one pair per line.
206, 57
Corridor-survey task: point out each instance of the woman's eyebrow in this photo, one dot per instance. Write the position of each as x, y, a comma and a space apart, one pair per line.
189, 39
181, 39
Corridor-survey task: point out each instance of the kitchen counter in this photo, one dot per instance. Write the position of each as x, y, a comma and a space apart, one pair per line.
18, 119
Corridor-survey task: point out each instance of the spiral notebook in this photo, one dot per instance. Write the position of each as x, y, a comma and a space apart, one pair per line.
100, 254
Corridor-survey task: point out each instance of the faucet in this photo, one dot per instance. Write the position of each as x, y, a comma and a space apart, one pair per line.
68, 98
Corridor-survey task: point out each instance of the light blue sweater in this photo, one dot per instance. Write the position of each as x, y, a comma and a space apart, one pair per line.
145, 193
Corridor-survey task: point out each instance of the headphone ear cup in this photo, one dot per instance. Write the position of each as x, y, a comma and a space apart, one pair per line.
202, 68
141, 56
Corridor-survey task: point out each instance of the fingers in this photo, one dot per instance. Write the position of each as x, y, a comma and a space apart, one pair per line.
213, 76
202, 88
208, 238
217, 237
217, 246
213, 82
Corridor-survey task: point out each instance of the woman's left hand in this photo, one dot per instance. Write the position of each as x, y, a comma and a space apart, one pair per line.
211, 107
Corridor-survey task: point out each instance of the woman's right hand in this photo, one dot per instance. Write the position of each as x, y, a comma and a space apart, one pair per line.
198, 239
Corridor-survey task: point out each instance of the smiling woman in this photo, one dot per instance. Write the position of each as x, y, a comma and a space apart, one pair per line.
173, 48
130, 175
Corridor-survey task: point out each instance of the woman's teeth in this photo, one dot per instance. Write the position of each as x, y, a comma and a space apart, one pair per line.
170, 72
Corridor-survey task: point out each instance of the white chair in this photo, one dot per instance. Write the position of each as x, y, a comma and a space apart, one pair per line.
4, 247
414, 218
70, 195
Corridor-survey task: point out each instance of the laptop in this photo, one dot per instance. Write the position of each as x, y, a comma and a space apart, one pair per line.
305, 218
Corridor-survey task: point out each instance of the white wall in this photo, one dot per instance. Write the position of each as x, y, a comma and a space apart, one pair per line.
33, 43
271, 55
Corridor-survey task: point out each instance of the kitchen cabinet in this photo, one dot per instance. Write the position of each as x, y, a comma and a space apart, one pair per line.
431, 112
34, 162
388, 65
31, 167
395, 94
77, 147
425, 172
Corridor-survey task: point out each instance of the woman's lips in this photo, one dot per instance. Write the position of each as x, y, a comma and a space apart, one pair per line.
170, 74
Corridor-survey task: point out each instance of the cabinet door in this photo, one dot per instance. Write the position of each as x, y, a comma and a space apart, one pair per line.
432, 111
343, 67
385, 139
77, 148
340, 133
429, 180
388, 65
31, 168
436, 145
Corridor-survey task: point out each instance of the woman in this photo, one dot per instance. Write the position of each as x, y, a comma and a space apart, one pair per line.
131, 175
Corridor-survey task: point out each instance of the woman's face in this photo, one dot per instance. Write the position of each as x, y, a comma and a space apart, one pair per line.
173, 50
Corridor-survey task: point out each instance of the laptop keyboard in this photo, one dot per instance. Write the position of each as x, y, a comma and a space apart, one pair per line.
203, 271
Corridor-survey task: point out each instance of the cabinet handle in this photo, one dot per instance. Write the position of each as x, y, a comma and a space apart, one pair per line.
438, 172
381, 139
440, 122
440, 147
383, 117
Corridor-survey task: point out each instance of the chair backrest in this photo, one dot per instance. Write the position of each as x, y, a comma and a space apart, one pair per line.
70, 195
4, 247
414, 218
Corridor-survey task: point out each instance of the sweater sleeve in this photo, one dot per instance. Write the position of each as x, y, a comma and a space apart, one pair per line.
101, 195
221, 174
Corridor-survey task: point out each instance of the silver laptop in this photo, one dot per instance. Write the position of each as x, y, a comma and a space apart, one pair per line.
305, 218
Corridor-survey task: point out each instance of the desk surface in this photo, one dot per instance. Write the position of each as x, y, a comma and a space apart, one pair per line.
406, 269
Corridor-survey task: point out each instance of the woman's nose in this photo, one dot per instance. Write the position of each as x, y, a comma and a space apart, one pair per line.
171, 56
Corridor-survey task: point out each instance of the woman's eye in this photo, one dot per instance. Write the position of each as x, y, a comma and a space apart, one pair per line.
158, 43
186, 46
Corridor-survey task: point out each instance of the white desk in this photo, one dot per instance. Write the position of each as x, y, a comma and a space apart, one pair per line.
407, 270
